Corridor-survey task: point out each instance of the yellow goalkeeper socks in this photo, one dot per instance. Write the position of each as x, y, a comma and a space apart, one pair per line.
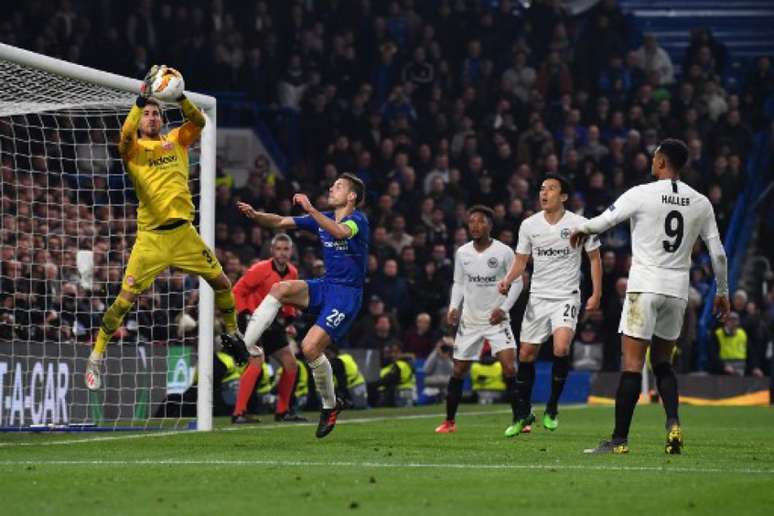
111, 320
224, 300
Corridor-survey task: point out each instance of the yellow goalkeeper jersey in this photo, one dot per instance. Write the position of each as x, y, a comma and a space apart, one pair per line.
159, 168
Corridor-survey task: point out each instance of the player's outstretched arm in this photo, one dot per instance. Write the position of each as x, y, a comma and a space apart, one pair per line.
622, 209
518, 267
339, 231
598, 224
266, 220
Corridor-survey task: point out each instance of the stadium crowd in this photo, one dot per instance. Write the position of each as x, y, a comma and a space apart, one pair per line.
436, 105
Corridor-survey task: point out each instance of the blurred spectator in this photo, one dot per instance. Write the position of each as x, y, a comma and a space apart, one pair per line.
392, 288
588, 348
292, 85
612, 312
238, 245
684, 358
706, 51
520, 76
487, 380
398, 237
653, 58
376, 335
438, 367
419, 339
751, 322
396, 386
731, 351
350, 383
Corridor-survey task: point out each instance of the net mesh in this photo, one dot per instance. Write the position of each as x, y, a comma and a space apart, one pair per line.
67, 225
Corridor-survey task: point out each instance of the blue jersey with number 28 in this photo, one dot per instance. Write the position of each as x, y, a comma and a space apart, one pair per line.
337, 297
345, 260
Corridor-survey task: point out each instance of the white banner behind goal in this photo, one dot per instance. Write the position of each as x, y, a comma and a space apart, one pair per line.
67, 224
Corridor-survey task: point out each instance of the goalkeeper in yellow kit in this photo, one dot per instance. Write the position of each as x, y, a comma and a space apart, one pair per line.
158, 167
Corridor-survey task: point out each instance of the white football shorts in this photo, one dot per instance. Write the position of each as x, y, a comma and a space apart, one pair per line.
646, 314
470, 340
543, 316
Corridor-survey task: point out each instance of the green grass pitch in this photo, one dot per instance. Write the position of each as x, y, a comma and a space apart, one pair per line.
391, 462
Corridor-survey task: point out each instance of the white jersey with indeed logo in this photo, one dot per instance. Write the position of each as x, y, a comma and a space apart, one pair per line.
666, 219
479, 274
556, 265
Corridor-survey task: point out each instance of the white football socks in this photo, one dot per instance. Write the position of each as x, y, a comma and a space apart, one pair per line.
260, 320
323, 380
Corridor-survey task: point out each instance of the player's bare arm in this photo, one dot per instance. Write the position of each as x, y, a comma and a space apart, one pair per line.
266, 220
595, 257
721, 306
517, 269
335, 229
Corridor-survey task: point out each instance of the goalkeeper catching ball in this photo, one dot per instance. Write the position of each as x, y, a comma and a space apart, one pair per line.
166, 237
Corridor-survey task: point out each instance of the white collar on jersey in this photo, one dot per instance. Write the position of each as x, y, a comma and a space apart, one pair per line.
564, 214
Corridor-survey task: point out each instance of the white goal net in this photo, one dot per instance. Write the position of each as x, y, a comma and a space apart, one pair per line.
67, 225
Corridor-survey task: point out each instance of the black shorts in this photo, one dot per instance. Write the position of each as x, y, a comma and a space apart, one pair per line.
273, 339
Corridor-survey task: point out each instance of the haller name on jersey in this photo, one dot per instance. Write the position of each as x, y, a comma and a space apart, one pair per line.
675, 200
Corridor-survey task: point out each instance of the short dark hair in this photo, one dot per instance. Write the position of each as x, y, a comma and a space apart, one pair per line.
675, 151
356, 184
282, 237
486, 211
564, 184
153, 102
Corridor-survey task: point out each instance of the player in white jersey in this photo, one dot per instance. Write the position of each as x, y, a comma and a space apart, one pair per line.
554, 298
478, 266
666, 217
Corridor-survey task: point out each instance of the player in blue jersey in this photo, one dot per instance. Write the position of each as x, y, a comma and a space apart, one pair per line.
336, 297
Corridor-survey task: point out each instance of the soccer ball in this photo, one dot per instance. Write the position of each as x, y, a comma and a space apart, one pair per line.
168, 85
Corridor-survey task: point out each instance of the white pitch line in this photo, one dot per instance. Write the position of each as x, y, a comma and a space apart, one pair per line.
387, 465
98, 439
256, 427
379, 419
369, 419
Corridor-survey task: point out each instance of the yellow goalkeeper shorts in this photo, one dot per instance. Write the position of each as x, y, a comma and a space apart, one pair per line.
155, 250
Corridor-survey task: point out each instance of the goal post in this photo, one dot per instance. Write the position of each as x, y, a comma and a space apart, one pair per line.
59, 122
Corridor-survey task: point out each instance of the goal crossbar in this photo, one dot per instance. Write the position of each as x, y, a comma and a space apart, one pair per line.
208, 104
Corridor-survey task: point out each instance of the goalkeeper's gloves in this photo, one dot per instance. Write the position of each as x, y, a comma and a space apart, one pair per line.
146, 89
